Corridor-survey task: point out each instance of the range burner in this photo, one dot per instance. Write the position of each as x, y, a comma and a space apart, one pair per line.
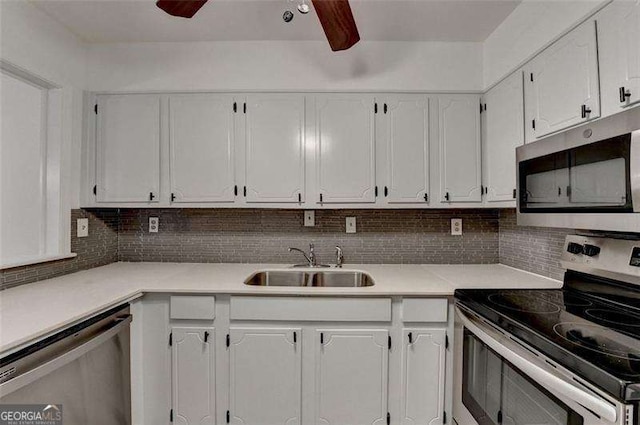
523, 302
614, 317
599, 339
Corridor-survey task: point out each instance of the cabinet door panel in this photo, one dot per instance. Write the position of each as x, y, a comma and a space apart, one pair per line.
202, 148
275, 148
407, 150
504, 132
128, 148
265, 376
460, 158
351, 377
423, 368
345, 143
193, 383
619, 54
562, 79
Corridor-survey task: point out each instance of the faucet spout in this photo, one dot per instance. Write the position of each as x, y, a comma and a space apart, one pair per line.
309, 260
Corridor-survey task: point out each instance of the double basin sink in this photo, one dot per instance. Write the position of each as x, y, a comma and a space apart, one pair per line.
312, 278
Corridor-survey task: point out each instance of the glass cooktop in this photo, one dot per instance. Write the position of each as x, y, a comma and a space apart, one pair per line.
587, 332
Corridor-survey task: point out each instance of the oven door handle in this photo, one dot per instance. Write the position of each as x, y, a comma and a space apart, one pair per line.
533, 367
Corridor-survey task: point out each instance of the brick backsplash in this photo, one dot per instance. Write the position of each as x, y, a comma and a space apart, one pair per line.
98, 249
263, 236
535, 249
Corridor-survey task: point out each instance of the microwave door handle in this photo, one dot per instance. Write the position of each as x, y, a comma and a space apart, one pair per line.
533, 368
44, 369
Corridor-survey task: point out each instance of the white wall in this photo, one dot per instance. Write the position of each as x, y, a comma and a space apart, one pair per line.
270, 65
32, 41
529, 28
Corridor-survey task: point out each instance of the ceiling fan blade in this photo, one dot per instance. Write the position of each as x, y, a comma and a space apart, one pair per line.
181, 8
338, 23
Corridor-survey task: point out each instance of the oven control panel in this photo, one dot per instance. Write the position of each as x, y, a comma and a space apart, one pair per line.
611, 256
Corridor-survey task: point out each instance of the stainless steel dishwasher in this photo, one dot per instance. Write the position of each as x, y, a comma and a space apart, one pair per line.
85, 368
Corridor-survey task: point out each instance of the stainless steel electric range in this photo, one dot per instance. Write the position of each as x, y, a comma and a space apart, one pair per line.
567, 356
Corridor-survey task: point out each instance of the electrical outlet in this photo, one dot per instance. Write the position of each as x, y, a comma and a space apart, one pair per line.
154, 223
351, 224
83, 227
309, 218
456, 226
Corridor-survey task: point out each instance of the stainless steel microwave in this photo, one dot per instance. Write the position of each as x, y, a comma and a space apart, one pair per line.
584, 178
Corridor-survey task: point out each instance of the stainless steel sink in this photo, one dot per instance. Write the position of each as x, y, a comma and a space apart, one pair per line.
279, 278
341, 279
330, 279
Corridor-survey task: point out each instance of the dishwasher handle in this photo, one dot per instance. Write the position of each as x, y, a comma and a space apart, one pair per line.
533, 367
31, 375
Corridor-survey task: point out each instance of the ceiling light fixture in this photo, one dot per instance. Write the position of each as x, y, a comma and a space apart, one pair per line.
304, 7
287, 16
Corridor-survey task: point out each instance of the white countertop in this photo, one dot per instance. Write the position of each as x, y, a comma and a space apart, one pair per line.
31, 311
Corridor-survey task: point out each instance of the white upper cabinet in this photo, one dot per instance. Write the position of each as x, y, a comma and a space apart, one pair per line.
503, 132
345, 148
193, 377
561, 83
423, 372
265, 376
128, 148
340, 397
201, 140
404, 144
619, 53
275, 148
460, 158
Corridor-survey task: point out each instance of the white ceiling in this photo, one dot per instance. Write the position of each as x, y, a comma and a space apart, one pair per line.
111, 21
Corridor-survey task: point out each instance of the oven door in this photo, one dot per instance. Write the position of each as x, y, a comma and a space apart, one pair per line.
500, 381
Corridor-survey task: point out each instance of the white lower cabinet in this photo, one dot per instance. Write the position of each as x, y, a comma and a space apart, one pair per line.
193, 376
265, 366
423, 376
194, 364
351, 376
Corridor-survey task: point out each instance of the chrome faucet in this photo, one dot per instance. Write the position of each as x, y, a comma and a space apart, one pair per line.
311, 258
339, 257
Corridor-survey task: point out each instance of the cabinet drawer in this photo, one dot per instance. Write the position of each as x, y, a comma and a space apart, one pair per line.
311, 309
194, 307
424, 310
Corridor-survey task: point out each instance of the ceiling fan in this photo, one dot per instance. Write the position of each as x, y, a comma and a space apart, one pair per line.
335, 17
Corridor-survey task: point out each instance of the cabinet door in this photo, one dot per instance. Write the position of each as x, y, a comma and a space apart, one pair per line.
345, 143
619, 54
423, 368
202, 148
351, 377
503, 133
460, 159
561, 83
275, 148
128, 148
193, 380
265, 370
407, 148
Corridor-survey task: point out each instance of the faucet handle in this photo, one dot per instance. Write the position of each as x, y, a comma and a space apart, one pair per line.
339, 256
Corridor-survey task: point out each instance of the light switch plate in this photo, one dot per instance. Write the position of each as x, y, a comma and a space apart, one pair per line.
456, 226
309, 218
83, 227
351, 224
154, 223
